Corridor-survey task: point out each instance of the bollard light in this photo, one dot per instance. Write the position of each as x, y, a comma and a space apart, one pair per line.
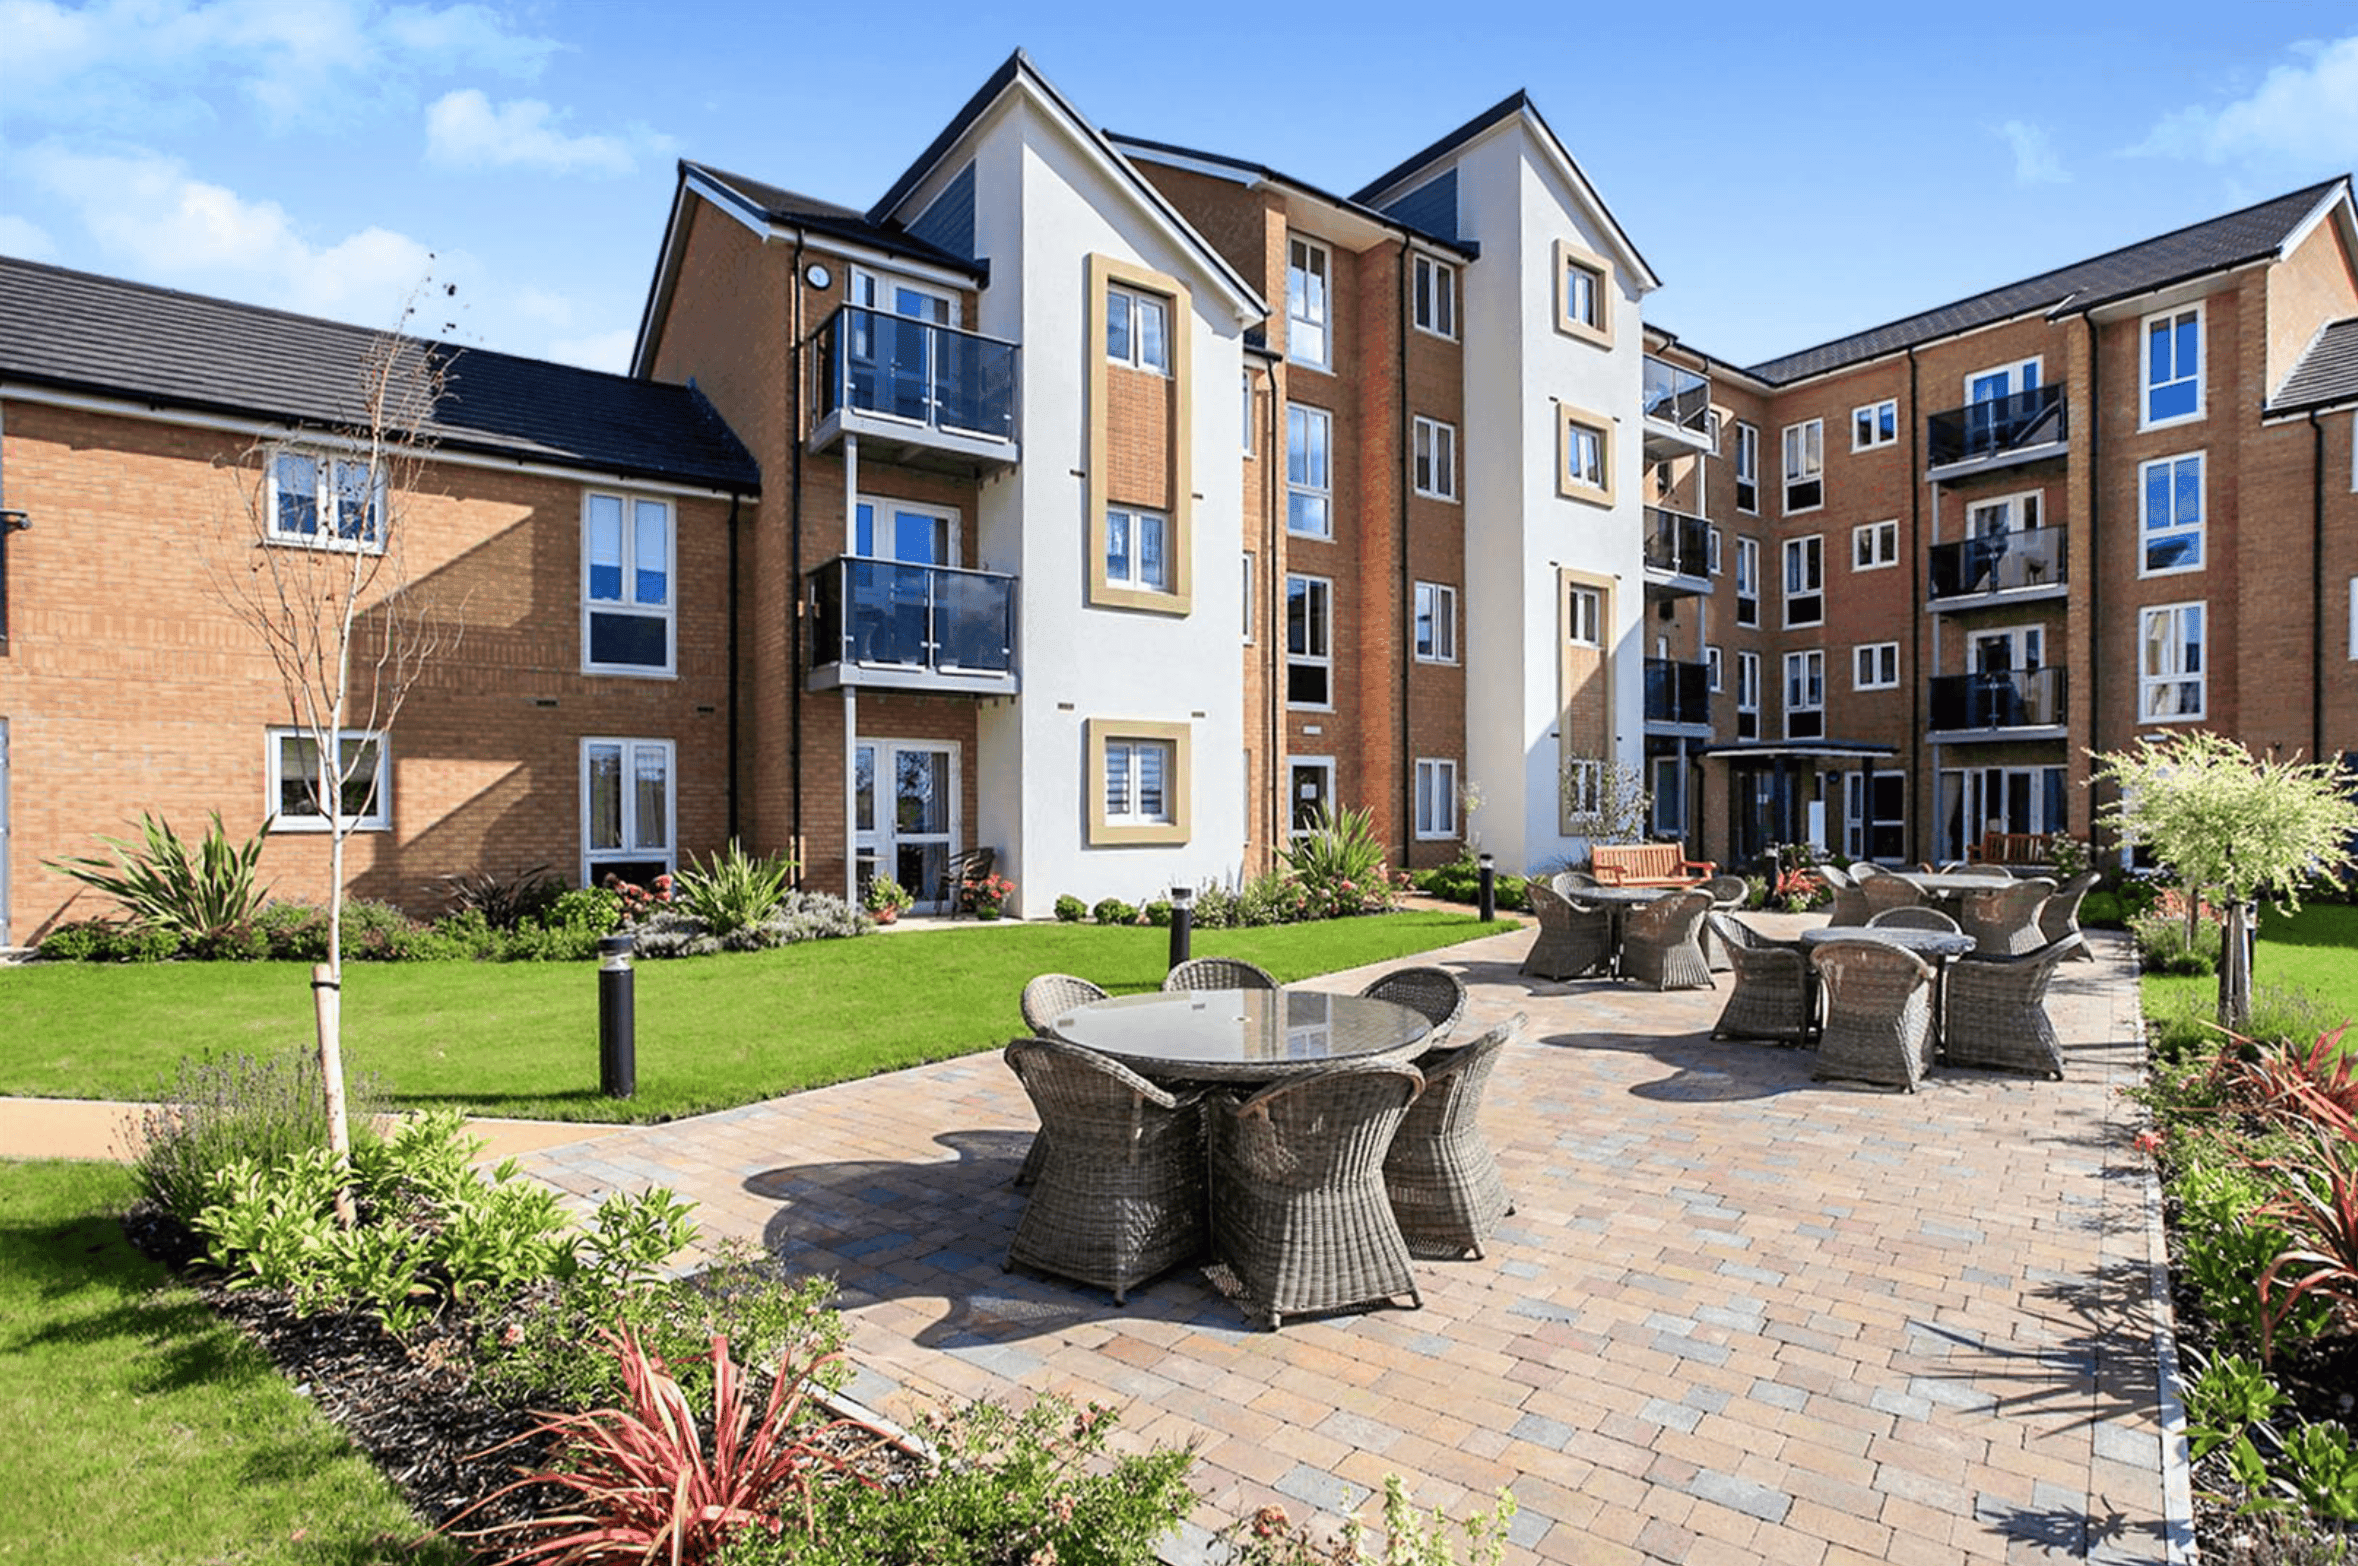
1182, 922
618, 1043
1486, 900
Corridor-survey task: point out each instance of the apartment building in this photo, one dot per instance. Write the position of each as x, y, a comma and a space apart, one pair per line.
1115, 505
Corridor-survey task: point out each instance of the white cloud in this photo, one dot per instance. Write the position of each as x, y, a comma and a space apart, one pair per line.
2305, 112
2035, 162
469, 35
464, 130
25, 239
598, 351
145, 208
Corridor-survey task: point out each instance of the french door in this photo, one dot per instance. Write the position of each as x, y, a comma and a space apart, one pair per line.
905, 810
1975, 800
895, 362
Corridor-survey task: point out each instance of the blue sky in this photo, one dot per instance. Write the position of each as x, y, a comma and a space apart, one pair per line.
1793, 173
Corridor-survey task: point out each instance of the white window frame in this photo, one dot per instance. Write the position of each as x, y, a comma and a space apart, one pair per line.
1810, 546
2354, 619
1434, 468
630, 851
2022, 512
1747, 575
1315, 589
1584, 617
1597, 319
1129, 306
627, 605
1436, 785
1433, 288
1246, 378
1309, 467
1878, 421
327, 532
2197, 530
1324, 765
1584, 786
1716, 662
1132, 575
1810, 664
377, 818
2147, 386
1799, 469
1252, 601
1435, 604
1874, 546
2150, 680
1747, 693
1572, 477
1309, 322
1747, 466
1874, 666
1711, 554
869, 290
1133, 811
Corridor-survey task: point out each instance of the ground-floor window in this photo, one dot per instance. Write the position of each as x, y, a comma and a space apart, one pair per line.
1436, 799
1313, 791
1875, 815
1670, 796
627, 810
360, 781
1975, 800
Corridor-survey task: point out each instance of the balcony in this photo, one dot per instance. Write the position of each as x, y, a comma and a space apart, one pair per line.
1997, 704
1998, 569
1678, 695
1677, 407
884, 624
1678, 553
918, 394
2029, 426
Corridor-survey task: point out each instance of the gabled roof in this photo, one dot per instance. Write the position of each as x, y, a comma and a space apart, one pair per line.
774, 205
2326, 374
105, 337
1018, 71
1262, 172
2255, 233
1516, 105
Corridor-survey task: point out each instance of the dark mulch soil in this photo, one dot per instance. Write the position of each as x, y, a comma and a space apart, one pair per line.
410, 1405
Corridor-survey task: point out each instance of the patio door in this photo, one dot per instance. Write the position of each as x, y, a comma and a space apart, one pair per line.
905, 806
1988, 395
1313, 790
895, 360
1976, 800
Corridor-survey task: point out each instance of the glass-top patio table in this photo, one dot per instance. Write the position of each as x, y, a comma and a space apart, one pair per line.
1953, 883
1243, 1035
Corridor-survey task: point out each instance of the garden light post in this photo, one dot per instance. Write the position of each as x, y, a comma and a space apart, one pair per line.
1486, 900
1182, 922
618, 1043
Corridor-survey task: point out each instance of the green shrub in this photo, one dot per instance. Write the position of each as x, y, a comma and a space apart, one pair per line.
2322, 1465
798, 916
294, 932
1158, 913
731, 892
1411, 1537
1112, 910
1274, 898
376, 932
1070, 909
161, 884
2161, 942
109, 940
1340, 864
504, 901
1004, 1487
2224, 1248
212, 1113
1460, 881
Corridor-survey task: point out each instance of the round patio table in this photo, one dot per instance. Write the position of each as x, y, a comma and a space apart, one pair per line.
1243, 1035
1934, 946
1952, 883
1617, 901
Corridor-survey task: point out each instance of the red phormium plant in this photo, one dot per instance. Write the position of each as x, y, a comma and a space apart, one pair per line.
2316, 1200
643, 1486
2315, 1083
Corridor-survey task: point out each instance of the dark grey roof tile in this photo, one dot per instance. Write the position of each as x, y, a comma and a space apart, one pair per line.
2328, 371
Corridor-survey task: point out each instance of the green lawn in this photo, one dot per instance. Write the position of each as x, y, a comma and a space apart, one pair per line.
142, 1429
522, 1038
2315, 950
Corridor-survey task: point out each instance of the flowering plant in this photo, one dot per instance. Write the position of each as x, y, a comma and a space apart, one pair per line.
986, 894
637, 901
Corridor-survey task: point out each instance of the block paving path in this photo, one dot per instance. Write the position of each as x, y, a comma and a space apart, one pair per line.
1737, 1315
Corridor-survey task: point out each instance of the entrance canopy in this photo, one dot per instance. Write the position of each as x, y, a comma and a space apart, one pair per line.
1766, 783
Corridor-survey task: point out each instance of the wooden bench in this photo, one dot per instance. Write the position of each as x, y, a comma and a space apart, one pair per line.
1647, 864
2012, 848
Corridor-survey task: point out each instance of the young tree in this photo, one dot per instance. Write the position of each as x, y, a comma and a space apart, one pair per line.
2233, 827
314, 560
1606, 801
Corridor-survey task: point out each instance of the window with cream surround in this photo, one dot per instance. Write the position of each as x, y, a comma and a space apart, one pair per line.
2170, 679
1805, 466
1309, 477
2173, 367
1137, 549
1436, 799
628, 602
364, 794
1584, 294
1309, 304
1876, 424
1584, 617
1435, 290
1436, 623
1139, 782
1436, 459
1112, 506
1137, 329
1584, 456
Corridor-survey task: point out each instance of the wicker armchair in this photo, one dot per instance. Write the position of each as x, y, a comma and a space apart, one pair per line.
2059, 917
1727, 895
1878, 1025
959, 869
1299, 1213
2005, 922
1044, 1000
1120, 1198
1850, 901
1435, 993
1996, 1013
1771, 998
1440, 1176
1924, 918
1575, 939
1218, 973
1569, 884
1886, 892
1661, 943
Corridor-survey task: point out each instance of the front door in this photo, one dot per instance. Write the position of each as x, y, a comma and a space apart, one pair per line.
905, 800
1313, 791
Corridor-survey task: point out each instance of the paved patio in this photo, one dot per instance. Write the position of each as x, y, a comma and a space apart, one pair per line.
1736, 1316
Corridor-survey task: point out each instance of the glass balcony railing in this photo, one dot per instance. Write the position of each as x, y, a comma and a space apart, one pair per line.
883, 614
935, 377
1997, 427
1677, 543
1678, 397
1998, 563
1998, 699
1677, 692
